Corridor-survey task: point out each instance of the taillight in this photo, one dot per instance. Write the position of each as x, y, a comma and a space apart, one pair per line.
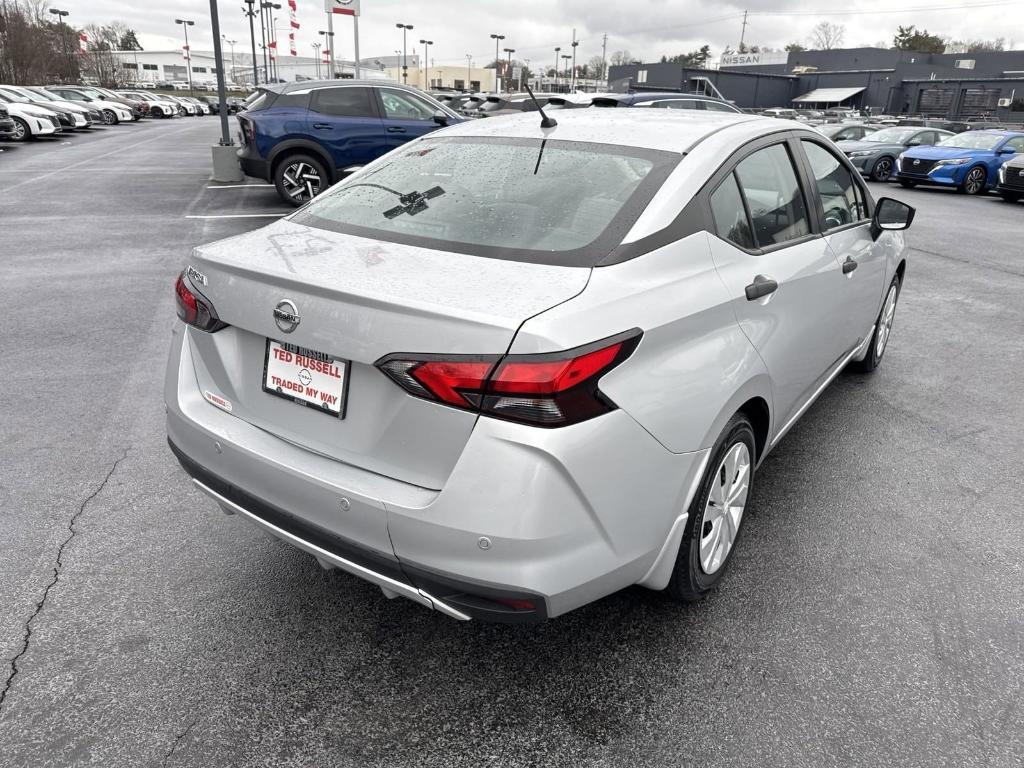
248, 134
195, 309
549, 390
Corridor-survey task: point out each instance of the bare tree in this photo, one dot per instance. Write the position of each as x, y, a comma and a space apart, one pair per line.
825, 36
620, 57
596, 67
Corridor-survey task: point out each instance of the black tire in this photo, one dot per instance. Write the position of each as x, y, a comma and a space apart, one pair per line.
690, 582
907, 184
882, 169
1010, 197
312, 172
874, 356
975, 181
21, 130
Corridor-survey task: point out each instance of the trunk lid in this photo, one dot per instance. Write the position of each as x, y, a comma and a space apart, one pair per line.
359, 300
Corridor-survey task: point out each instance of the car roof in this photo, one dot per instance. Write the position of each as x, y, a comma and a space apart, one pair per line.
302, 85
666, 130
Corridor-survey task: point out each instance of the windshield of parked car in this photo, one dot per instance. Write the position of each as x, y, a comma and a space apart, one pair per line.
42, 93
972, 140
553, 202
12, 98
891, 135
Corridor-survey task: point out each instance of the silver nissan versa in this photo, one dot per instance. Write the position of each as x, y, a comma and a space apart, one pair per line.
510, 368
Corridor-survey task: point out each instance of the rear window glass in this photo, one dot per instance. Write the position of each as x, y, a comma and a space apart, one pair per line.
551, 202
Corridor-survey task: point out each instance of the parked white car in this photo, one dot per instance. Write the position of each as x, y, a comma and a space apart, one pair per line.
31, 122
159, 106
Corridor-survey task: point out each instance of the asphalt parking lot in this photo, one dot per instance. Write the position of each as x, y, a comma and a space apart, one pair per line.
874, 615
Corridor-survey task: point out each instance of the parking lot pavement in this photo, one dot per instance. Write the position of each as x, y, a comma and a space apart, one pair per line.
872, 617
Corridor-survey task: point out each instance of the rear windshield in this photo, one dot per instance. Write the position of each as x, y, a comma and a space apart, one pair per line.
549, 202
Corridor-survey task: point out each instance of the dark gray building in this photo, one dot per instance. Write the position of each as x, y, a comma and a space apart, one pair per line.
952, 85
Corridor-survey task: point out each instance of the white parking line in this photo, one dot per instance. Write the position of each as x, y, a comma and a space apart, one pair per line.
235, 186
241, 216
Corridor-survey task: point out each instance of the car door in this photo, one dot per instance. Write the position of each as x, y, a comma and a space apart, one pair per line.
840, 202
782, 276
344, 121
405, 116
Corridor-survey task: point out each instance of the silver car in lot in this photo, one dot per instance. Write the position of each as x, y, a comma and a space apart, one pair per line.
508, 369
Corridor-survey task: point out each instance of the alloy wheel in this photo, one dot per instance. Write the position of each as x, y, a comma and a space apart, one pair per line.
301, 181
885, 322
975, 181
108, 117
723, 512
883, 169
20, 131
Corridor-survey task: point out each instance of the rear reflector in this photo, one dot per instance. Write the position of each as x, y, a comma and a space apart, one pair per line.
550, 390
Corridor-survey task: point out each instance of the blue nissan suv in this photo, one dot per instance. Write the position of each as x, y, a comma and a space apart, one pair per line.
306, 135
968, 162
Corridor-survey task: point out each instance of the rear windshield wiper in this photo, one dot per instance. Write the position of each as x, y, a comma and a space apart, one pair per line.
410, 202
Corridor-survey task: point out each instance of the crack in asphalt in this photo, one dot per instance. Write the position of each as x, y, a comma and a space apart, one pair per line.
58, 565
178, 740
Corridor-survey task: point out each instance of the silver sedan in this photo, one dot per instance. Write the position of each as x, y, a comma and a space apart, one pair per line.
508, 369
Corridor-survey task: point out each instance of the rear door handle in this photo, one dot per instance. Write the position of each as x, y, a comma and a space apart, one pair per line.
396, 129
322, 125
849, 265
761, 287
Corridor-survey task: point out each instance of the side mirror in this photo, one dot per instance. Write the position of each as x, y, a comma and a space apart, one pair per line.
914, 143
440, 118
891, 215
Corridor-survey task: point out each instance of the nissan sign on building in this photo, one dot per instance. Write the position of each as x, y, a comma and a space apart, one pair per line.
763, 59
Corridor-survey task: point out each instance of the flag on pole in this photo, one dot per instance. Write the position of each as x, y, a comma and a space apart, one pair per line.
83, 43
185, 53
292, 9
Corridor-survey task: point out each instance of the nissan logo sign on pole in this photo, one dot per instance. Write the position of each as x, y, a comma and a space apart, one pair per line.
347, 8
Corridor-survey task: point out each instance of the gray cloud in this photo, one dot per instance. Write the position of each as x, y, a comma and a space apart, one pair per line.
647, 28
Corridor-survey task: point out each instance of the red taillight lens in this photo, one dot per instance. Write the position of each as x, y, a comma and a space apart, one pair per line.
550, 390
194, 309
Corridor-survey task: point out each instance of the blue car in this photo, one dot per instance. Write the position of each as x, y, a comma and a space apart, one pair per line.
306, 135
968, 162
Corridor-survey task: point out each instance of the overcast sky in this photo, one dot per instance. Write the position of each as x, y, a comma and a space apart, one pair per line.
646, 28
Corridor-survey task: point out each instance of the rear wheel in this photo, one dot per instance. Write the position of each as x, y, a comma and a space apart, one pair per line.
21, 131
110, 117
300, 178
882, 169
715, 514
883, 327
907, 184
974, 181
1010, 197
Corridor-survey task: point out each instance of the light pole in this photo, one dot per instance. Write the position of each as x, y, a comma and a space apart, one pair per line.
469, 73
426, 62
316, 55
263, 41
572, 80
526, 70
64, 37
566, 57
555, 86
508, 69
497, 61
329, 46
405, 68
251, 13
232, 44
185, 23
272, 35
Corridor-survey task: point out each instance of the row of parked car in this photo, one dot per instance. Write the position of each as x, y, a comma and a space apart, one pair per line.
305, 136
32, 111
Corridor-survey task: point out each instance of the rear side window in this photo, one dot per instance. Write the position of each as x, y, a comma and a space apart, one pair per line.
835, 187
730, 215
344, 102
770, 187
715, 106
300, 100
676, 104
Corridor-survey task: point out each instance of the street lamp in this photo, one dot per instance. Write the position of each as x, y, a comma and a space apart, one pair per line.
508, 69
271, 39
316, 55
232, 44
572, 80
405, 68
554, 86
251, 13
329, 49
469, 72
426, 62
185, 23
64, 36
497, 61
566, 57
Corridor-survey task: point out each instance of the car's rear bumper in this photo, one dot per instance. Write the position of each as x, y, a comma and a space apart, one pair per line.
252, 164
531, 523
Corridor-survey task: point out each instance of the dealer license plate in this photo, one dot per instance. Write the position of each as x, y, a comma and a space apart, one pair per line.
305, 376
